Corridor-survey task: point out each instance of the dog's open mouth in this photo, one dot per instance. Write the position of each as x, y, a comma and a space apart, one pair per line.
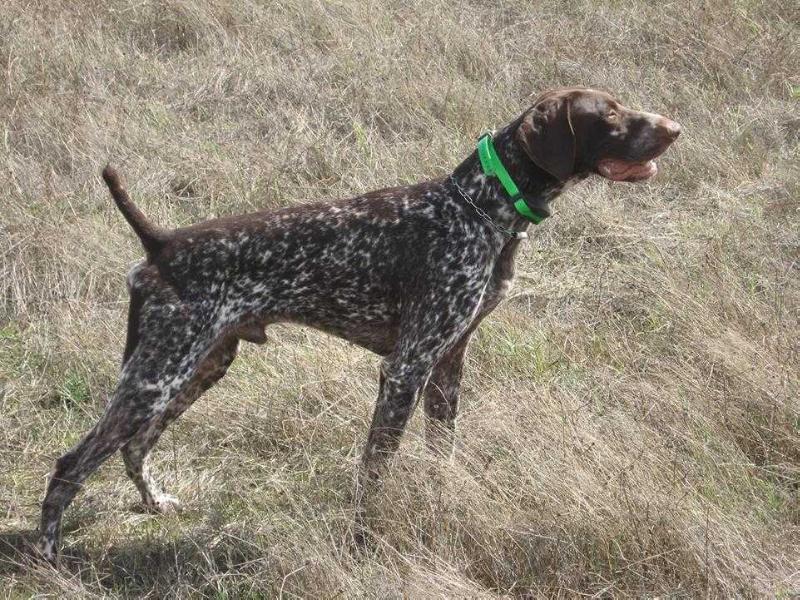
623, 170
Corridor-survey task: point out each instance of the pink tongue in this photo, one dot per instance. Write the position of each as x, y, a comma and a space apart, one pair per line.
620, 170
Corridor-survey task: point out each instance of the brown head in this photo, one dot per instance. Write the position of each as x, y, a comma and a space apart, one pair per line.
578, 131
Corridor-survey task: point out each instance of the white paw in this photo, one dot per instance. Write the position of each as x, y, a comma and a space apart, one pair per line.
165, 505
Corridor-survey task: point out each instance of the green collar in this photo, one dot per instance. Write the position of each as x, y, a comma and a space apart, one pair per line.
493, 167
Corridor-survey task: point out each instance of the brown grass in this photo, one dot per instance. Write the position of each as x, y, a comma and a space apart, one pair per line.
631, 419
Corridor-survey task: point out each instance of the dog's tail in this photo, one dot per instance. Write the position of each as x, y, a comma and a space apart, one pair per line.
152, 237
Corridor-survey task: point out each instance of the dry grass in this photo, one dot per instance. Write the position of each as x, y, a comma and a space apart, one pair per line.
631, 420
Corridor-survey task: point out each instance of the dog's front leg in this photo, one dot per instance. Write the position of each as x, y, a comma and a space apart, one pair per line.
441, 399
431, 326
399, 384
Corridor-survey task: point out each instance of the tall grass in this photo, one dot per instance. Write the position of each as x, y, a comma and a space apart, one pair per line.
631, 416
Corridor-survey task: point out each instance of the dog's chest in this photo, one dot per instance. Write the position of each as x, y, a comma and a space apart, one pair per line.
502, 277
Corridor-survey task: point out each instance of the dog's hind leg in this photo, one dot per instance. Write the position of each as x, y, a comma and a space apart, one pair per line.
134, 453
159, 370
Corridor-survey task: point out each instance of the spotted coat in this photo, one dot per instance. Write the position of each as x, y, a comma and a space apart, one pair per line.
407, 272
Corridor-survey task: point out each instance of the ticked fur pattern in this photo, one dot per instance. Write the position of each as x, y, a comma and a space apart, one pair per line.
406, 272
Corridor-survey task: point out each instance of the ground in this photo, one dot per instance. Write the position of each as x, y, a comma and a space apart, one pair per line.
631, 414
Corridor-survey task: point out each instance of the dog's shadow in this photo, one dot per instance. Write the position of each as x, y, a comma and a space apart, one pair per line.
143, 565
135, 566
16, 551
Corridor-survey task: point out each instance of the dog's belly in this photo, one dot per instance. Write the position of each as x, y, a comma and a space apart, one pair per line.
375, 336
365, 317
362, 315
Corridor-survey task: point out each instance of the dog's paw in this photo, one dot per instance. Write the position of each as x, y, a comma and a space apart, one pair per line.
45, 550
165, 505
361, 540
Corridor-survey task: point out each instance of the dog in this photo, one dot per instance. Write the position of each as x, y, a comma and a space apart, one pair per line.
406, 272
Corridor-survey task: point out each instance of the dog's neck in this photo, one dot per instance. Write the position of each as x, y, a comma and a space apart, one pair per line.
536, 185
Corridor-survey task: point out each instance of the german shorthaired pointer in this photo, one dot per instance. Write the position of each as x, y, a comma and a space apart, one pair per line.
407, 272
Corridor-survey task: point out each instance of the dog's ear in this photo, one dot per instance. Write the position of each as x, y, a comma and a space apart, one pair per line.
546, 134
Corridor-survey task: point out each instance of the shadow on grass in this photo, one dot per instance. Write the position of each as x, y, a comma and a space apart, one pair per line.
16, 551
147, 566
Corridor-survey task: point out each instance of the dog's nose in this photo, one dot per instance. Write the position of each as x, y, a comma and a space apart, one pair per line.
672, 129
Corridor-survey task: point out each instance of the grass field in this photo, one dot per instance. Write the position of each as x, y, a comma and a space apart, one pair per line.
631, 415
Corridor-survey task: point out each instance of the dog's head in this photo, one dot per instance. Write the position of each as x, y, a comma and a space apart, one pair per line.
576, 131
